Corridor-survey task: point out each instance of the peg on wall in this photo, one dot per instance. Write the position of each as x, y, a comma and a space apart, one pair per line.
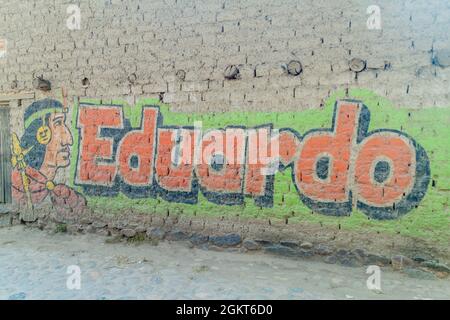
181, 75
357, 64
294, 68
442, 58
39, 83
231, 72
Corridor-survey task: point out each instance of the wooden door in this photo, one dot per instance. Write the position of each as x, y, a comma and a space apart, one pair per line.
5, 155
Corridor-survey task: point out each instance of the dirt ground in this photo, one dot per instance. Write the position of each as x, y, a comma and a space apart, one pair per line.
38, 265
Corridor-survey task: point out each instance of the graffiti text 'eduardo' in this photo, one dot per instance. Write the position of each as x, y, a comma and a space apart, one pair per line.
384, 173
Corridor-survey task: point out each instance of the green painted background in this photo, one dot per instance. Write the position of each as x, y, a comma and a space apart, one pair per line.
428, 126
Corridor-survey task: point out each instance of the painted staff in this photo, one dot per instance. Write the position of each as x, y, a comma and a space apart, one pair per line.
18, 161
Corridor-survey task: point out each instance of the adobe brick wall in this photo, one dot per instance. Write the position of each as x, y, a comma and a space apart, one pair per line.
133, 52
151, 40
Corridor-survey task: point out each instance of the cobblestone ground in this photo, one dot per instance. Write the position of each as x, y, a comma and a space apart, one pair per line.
34, 265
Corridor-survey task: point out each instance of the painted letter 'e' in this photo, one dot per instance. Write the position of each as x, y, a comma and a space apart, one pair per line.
94, 150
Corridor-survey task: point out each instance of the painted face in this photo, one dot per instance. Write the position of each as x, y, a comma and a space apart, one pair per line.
57, 153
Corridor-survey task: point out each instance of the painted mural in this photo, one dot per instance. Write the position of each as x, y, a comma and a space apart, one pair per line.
39, 154
333, 169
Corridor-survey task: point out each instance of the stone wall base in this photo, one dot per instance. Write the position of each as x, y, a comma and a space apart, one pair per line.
297, 241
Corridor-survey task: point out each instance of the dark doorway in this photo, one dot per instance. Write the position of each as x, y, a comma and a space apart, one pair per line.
5, 155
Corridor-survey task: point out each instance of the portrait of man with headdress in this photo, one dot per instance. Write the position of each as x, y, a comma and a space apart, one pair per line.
43, 149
